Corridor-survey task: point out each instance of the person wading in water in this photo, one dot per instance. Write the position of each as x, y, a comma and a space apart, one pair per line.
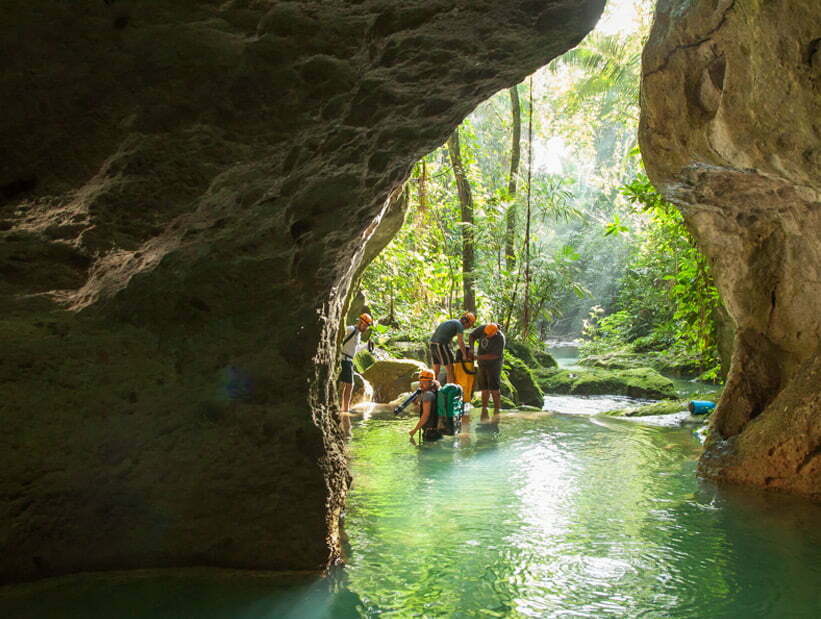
440, 351
351, 344
428, 386
491, 356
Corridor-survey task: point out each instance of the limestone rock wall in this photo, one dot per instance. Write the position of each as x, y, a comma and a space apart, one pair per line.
186, 190
731, 132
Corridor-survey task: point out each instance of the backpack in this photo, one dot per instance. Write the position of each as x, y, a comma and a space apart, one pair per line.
447, 416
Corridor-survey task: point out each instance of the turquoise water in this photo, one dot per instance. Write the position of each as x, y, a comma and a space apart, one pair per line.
558, 516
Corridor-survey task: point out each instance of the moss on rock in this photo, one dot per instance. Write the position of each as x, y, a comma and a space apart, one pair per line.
545, 359
636, 383
408, 350
363, 360
674, 363
533, 358
524, 381
667, 407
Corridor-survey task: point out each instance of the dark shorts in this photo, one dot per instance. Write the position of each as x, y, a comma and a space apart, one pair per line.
489, 375
346, 375
440, 354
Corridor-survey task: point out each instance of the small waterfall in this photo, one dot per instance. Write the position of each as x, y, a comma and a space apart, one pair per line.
362, 399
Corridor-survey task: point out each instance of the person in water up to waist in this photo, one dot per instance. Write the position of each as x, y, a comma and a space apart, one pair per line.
440, 351
428, 385
351, 344
490, 356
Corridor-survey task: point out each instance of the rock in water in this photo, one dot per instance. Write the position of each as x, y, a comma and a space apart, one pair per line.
636, 383
392, 377
527, 390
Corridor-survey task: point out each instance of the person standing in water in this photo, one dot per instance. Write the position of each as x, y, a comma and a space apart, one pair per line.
351, 344
440, 351
428, 386
491, 357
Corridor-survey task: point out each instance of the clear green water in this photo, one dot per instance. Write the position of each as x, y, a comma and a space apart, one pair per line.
558, 516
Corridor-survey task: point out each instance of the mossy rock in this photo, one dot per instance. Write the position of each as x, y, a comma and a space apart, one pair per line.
363, 360
391, 377
521, 351
527, 408
545, 359
533, 358
667, 407
673, 363
524, 381
409, 350
616, 360
635, 383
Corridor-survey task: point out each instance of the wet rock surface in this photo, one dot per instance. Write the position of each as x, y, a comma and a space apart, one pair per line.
635, 383
186, 193
731, 100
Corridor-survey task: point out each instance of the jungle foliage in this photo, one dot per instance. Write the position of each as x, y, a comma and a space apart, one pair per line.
537, 209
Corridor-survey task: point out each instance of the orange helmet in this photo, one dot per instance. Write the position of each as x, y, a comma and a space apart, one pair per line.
426, 376
491, 330
366, 318
469, 318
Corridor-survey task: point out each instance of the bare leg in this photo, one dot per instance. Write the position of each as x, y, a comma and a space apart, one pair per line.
451, 375
436, 368
347, 390
497, 401
485, 398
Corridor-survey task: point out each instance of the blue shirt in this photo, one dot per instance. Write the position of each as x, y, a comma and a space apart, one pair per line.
444, 333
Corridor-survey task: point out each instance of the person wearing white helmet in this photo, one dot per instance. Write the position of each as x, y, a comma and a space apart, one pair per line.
351, 344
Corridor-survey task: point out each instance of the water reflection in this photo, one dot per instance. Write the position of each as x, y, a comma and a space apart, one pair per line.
556, 516
561, 516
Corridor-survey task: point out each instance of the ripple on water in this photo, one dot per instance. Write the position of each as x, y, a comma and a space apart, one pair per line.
560, 517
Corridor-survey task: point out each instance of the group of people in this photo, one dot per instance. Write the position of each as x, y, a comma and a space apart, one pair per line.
485, 345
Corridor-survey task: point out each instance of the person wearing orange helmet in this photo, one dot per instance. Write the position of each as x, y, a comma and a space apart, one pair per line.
428, 385
491, 357
440, 351
350, 346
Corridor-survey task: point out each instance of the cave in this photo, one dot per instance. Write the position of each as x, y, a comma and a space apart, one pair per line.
188, 191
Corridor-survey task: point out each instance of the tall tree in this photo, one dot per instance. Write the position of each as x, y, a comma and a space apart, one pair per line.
526, 315
466, 204
515, 156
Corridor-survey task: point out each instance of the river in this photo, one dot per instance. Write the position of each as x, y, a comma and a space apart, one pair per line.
559, 515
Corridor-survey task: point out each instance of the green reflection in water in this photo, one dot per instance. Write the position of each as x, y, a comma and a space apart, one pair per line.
559, 516
569, 515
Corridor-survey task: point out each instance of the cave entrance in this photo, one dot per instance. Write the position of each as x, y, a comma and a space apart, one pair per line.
536, 214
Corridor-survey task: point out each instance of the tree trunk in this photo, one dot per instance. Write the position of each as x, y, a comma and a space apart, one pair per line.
526, 313
515, 156
466, 204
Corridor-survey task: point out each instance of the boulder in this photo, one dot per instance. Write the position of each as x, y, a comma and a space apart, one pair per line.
674, 363
636, 383
545, 359
667, 407
523, 381
392, 377
616, 360
532, 357
410, 350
